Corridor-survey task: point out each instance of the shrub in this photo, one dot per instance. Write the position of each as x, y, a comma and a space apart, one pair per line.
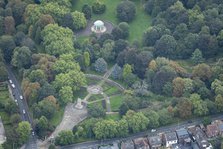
98, 7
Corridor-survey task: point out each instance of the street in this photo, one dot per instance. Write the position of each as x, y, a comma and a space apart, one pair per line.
168, 128
17, 92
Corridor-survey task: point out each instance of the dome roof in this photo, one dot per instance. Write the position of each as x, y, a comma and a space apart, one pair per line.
99, 23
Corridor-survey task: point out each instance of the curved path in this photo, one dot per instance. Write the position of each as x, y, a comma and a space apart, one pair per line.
73, 116
109, 81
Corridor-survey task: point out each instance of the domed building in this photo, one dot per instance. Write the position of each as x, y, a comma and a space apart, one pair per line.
98, 27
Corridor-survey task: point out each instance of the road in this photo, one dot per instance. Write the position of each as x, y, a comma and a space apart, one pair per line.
17, 91
173, 127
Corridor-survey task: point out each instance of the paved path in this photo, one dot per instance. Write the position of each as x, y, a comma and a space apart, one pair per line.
71, 118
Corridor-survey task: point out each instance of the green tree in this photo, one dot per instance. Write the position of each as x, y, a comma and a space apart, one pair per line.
98, 7
197, 57
86, 9
126, 70
106, 51
219, 102
7, 45
203, 71
165, 117
136, 121
96, 111
101, 65
42, 126
178, 87
23, 131
125, 29
87, 59
37, 75
122, 128
57, 40
21, 57
74, 79
65, 64
199, 106
166, 46
46, 108
66, 95
126, 11
217, 86
105, 129
65, 137
79, 20
153, 118
15, 119
206, 121
3, 74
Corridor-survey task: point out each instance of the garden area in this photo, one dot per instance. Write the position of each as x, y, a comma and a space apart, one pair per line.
137, 27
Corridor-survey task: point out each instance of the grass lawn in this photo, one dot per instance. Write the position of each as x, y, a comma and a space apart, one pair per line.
95, 97
57, 117
114, 117
91, 81
141, 22
116, 101
112, 90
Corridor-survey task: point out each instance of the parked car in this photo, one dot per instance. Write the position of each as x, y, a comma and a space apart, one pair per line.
190, 121
153, 130
10, 81
21, 97
16, 101
23, 111
13, 85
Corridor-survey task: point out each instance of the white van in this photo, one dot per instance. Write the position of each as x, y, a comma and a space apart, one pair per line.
13, 85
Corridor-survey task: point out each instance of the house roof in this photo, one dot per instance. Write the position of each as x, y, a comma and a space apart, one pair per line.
171, 136
182, 132
127, 144
141, 142
220, 126
212, 130
155, 140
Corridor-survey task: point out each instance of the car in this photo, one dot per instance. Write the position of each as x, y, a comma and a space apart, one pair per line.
21, 97
10, 81
153, 130
13, 85
190, 121
23, 111
16, 101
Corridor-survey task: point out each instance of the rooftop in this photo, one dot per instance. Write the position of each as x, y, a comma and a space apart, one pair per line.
141, 143
127, 144
212, 130
182, 132
99, 23
220, 126
171, 136
155, 140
